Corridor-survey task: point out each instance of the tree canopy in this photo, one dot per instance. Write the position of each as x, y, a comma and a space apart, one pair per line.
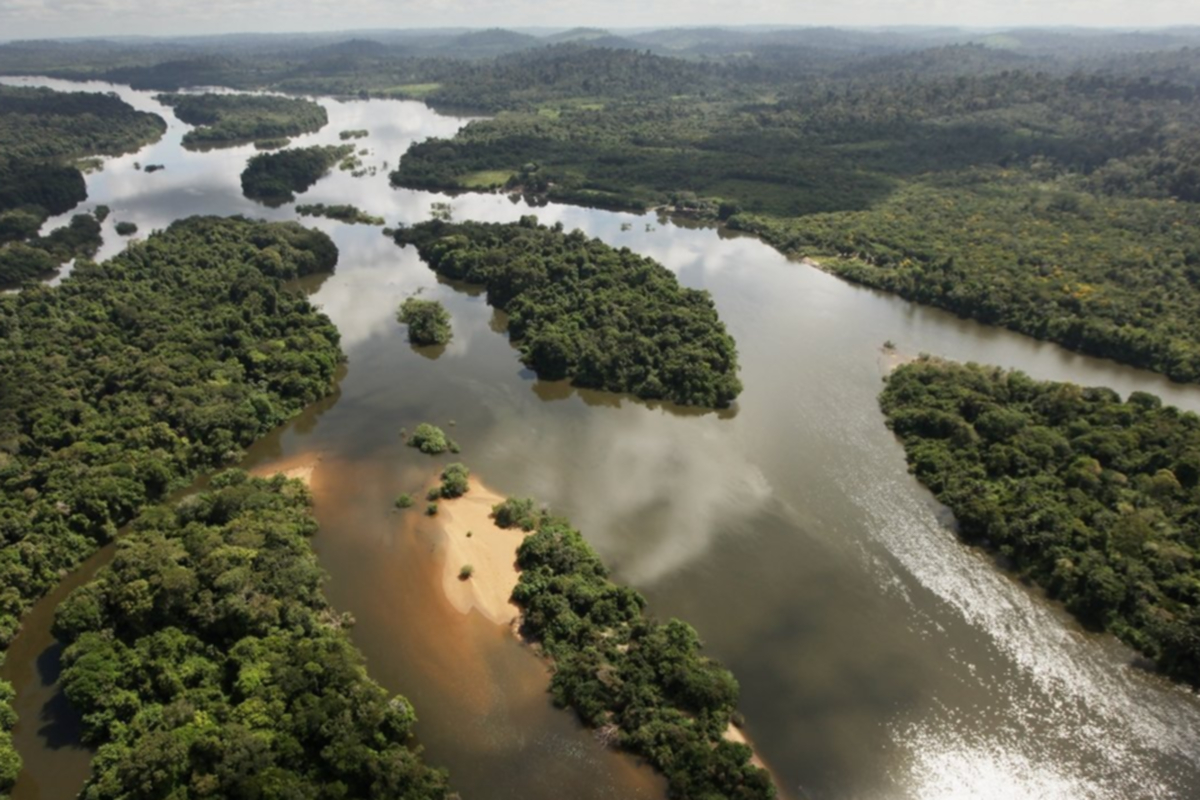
1096, 499
275, 178
578, 309
427, 320
225, 119
206, 662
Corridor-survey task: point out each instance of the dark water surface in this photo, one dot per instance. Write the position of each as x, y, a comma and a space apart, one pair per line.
878, 656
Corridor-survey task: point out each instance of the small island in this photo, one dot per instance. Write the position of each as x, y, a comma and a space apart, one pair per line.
427, 320
581, 310
352, 215
358, 133
1092, 497
275, 178
228, 119
126, 228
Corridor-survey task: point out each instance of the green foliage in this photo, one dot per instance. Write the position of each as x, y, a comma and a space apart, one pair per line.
358, 133
427, 320
466, 572
1109, 276
1093, 498
20, 262
126, 228
643, 683
101, 212
404, 500
343, 213
581, 310
431, 509
41, 132
431, 440
206, 662
44, 126
226, 119
136, 374
271, 144
455, 481
517, 512
273, 178
10, 759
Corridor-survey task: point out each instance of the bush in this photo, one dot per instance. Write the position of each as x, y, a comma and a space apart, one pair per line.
431, 440
404, 500
431, 509
466, 572
516, 512
126, 228
428, 322
455, 481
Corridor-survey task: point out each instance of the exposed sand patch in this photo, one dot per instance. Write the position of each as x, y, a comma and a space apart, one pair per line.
491, 552
301, 467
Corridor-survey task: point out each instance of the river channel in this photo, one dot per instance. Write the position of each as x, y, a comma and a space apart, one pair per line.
879, 657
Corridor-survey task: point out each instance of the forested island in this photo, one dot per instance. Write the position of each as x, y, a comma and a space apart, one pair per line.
643, 685
136, 374
581, 310
42, 134
205, 660
228, 119
276, 178
1092, 497
352, 215
428, 321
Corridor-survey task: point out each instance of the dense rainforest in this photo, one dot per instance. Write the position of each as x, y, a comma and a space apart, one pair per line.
227, 119
1095, 499
42, 134
581, 310
206, 662
643, 685
136, 374
1060, 205
276, 178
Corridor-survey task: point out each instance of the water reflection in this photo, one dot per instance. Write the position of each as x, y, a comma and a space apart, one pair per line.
878, 656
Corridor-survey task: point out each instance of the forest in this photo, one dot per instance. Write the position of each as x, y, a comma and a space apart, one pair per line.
228, 119
1095, 499
206, 662
136, 374
276, 178
42, 134
643, 685
583, 311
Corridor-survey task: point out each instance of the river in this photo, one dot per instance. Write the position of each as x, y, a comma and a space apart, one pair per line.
879, 657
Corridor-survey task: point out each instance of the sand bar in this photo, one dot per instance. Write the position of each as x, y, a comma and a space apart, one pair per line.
490, 551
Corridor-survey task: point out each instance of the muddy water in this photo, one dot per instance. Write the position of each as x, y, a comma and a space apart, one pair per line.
879, 658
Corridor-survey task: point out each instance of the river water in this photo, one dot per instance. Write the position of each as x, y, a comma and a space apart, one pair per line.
879, 658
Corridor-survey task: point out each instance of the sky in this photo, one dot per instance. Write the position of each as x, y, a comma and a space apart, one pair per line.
69, 18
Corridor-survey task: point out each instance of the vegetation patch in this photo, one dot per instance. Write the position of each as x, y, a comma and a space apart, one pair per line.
275, 178
431, 440
581, 310
349, 214
643, 685
225, 119
206, 660
1092, 497
427, 320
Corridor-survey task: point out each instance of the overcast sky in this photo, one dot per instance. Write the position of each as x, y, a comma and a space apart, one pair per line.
43, 18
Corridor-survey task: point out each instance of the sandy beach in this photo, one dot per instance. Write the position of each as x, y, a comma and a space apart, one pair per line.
302, 466
472, 538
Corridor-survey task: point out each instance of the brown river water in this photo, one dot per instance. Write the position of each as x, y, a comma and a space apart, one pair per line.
879, 658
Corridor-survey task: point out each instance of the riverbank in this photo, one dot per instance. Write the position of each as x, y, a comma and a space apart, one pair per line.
302, 467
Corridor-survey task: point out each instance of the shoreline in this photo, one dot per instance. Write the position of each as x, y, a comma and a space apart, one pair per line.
492, 551
301, 467
471, 537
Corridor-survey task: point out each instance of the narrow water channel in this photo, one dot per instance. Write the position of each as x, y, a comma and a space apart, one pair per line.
878, 656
